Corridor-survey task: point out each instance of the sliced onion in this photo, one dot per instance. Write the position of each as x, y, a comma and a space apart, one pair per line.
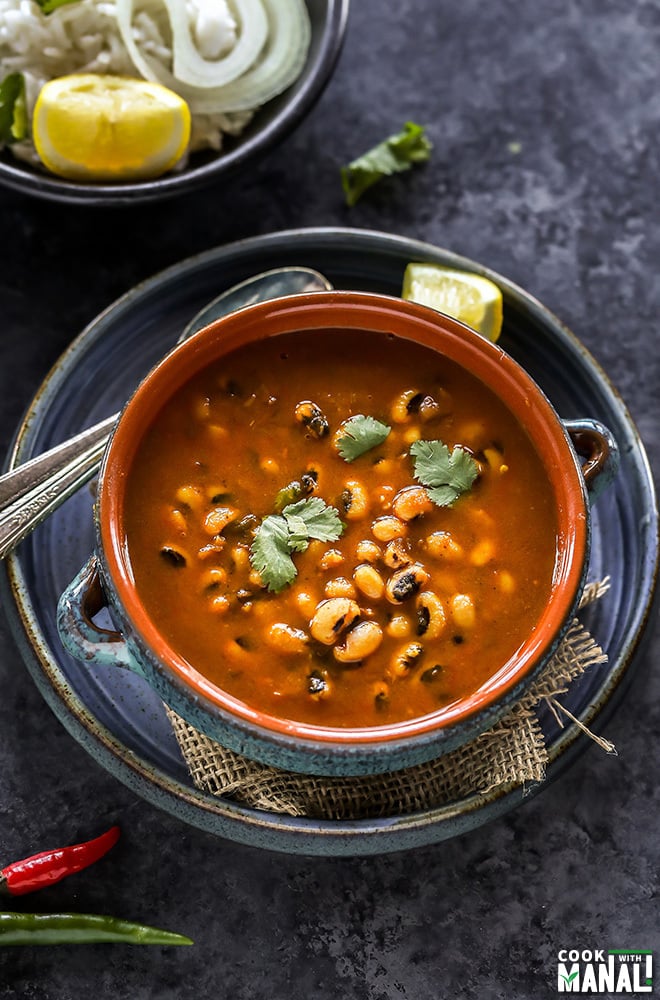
282, 62
149, 68
278, 66
188, 66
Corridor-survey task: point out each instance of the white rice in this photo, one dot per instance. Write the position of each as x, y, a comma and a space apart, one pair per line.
83, 37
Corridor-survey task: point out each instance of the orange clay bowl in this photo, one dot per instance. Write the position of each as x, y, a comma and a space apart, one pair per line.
276, 685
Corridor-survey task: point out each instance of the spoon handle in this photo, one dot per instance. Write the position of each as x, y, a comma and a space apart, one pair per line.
31, 492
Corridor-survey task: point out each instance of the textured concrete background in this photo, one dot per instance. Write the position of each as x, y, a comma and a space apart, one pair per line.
545, 120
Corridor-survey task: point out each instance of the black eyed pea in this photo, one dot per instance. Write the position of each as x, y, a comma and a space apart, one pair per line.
381, 693
483, 552
369, 581
367, 551
388, 527
431, 618
240, 557
398, 627
213, 578
331, 558
318, 685
432, 407
218, 518
312, 418
286, 639
359, 643
190, 497
332, 617
269, 465
175, 556
383, 495
212, 549
463, 611
354, 501
339, 587
254, 577
495, 460
506, 582
441, 545
411, 434
396, 554
411, 502
306, 603
406, 659
405, 583
405, 405
177, 520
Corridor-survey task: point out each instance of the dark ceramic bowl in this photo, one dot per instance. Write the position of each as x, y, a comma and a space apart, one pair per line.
271, 124
138, 645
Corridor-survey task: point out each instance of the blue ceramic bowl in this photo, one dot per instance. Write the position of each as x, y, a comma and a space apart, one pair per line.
270, 125
137, 645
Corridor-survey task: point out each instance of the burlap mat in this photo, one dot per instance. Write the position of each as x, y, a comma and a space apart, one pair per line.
512, 753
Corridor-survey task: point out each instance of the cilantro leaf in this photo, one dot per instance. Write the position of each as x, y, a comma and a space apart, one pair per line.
270, 554
360, 434
13, 114
394, 155
279, 535
447, 473
48, 6
298, 535
320, 520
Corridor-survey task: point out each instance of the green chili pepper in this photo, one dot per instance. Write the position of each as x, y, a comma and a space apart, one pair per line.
79, 928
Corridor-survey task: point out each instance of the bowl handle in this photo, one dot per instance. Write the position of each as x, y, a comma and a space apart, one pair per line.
595, 443
82, 637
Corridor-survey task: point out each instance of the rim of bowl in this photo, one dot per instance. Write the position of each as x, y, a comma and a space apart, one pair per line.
295, 102
383, 314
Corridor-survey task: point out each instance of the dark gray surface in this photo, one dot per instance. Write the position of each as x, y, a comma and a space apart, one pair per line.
545, 123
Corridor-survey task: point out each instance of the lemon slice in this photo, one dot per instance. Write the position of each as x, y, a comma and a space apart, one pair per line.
470, 298
88, 127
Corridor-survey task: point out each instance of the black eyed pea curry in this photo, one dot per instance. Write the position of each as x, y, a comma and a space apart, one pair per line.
340, 529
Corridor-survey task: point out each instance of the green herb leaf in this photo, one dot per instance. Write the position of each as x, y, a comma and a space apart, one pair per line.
279, 535
394, 155
288, 494
270, 554
13, 113
447, 473
298, 536
360, 434
48, 6
320, 520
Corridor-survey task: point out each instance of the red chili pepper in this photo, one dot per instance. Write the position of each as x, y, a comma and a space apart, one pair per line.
50, 867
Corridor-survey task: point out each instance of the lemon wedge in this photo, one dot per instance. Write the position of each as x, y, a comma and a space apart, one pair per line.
88, 127
470, 298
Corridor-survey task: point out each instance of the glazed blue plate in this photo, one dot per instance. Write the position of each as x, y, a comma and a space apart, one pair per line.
120, 720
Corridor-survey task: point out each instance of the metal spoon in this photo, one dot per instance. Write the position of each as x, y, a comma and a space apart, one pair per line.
29, 493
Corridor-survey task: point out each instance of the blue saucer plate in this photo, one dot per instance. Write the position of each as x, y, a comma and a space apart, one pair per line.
120, 720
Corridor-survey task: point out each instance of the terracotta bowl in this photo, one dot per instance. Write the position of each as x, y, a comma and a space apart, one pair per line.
135, 642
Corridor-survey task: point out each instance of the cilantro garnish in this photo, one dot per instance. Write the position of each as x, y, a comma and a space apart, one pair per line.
446, 473
320, 521
360, 434
279, 535
397, 153
48, 6
13, 115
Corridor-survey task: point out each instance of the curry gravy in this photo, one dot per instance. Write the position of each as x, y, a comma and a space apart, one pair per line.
212, 466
